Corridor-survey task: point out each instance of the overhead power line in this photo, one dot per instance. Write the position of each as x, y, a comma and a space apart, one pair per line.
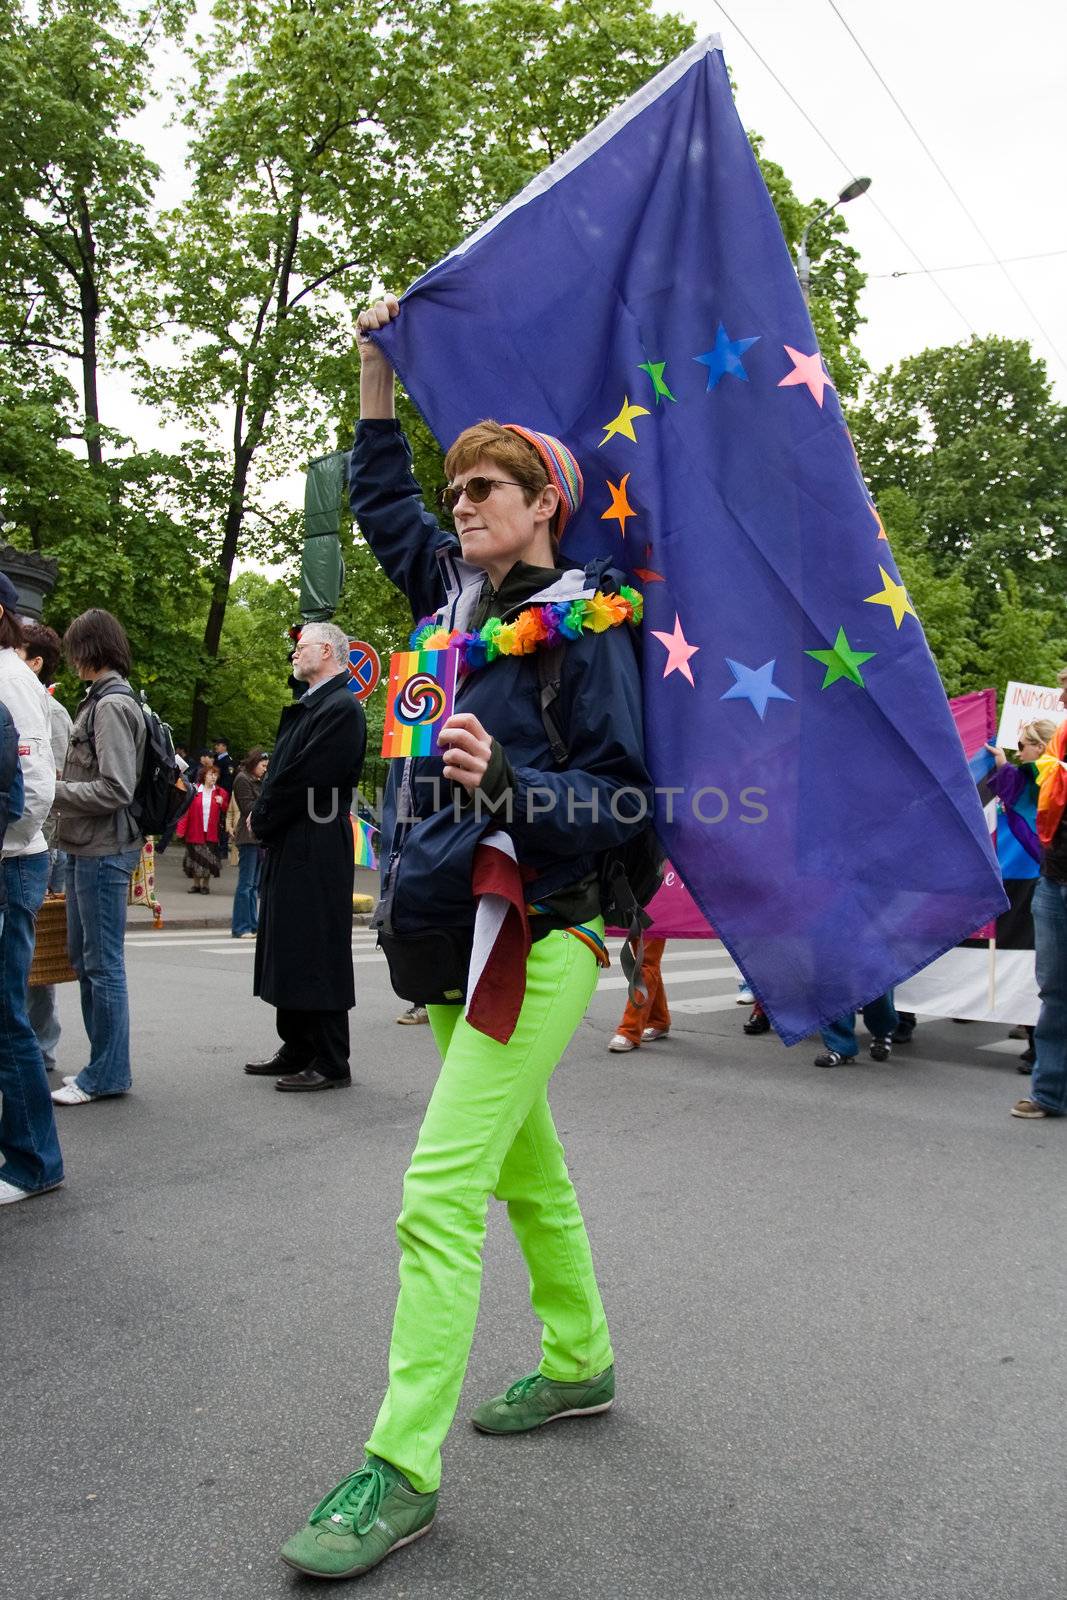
939, 169
962, 266
890, 224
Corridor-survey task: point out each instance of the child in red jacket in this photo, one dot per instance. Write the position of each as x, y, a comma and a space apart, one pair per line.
201, 828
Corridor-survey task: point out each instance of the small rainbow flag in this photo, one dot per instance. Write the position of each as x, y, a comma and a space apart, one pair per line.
422, 692
362, 840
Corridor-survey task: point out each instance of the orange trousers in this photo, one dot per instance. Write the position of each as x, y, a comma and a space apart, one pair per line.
654, 1013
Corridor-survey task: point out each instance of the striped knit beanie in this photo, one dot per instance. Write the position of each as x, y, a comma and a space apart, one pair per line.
562, 468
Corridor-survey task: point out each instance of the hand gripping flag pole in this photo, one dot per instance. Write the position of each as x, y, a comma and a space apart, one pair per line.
638, 301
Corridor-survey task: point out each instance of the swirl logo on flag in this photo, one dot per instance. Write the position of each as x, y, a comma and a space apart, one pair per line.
422, 693
422, 699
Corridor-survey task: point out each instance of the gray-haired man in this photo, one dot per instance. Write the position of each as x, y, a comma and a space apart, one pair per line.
304, 948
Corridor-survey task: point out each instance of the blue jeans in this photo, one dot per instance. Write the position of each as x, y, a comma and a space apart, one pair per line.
245, 917
879, 1018
97, 891
44, 1020
1048, 1083
29, 1143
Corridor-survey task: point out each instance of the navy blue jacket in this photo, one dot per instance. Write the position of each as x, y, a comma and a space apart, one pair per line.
561, 819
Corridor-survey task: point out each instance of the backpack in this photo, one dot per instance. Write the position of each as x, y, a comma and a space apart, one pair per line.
160, 797
628, 874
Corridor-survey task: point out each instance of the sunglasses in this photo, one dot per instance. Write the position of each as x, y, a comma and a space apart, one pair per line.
476, 490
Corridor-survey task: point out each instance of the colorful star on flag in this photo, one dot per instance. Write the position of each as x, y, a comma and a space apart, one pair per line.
620, 508
755, 684
655, 372
841, 661
678, 651
624, 422
808, 370
648, 574
895, 596
725, 357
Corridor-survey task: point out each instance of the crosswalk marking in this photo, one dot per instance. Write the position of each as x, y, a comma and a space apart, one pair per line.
1005, 1047
702, 975
694, 1007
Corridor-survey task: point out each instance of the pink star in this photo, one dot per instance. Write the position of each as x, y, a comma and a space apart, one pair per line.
678, 651
809, 370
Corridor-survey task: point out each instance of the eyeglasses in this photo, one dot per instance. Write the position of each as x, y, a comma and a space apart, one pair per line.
476, 490
306, 645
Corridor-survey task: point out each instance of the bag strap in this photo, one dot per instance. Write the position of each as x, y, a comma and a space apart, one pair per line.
106, 693
550, 678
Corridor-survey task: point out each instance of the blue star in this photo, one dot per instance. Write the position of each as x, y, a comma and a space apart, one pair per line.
725, 356
754, 684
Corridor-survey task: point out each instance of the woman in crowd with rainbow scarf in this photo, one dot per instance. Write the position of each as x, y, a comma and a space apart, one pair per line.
501, 595
1048, 1084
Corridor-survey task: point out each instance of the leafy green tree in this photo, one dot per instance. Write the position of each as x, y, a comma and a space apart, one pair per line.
971, 435
353, 141
249, 685
76, 230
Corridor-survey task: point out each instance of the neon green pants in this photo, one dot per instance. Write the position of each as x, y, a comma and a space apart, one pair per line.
488, 1130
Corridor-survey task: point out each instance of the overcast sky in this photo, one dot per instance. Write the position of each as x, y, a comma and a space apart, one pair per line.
986, 88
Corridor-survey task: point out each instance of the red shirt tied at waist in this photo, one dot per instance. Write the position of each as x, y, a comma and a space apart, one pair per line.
194, 827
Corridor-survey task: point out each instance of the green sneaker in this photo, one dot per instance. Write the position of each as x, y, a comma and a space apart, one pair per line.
373, 1512
535, 1400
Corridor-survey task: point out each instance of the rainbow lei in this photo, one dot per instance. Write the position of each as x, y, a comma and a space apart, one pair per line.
536, 628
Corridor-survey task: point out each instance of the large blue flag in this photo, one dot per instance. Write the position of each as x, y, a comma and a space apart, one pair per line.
638, 300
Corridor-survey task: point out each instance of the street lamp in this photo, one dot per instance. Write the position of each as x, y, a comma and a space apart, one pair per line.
851, 191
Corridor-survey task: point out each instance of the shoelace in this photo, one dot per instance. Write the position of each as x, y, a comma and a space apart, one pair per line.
354, 1503
520, 1390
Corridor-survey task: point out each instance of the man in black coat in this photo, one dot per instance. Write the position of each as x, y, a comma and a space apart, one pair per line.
304, 947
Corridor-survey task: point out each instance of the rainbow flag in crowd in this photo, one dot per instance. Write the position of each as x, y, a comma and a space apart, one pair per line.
422, 692
362, 838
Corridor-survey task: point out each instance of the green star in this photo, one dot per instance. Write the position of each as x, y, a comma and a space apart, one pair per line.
655, 372
842, 661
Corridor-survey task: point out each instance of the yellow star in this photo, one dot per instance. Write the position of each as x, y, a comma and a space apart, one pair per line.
893, 595
624, 422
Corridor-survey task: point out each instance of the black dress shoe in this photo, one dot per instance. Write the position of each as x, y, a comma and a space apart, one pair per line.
758, 1022
269, 1069
301, 1082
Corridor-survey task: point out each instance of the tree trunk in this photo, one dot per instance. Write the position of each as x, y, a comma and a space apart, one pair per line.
90, 316
220, 592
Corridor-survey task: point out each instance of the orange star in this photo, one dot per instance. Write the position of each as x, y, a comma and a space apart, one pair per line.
620, 508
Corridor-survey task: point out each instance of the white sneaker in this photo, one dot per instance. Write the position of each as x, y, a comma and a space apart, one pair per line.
650, 1034
620, 1043
745, 997
71, 1095
10, 1192
70, 1077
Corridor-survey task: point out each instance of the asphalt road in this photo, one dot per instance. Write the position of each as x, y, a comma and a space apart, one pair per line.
837, 1301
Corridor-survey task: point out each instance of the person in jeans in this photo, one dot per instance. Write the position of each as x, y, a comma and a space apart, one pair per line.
246, 787
29, 1145
1048, 1085
41, 653
881, 1021
103, 845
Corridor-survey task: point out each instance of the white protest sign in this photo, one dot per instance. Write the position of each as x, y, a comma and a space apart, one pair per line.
1025, 702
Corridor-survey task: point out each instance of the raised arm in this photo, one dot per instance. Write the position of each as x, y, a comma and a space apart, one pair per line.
385, 498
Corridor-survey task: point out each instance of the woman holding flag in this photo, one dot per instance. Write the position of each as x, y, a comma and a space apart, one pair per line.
498, 591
